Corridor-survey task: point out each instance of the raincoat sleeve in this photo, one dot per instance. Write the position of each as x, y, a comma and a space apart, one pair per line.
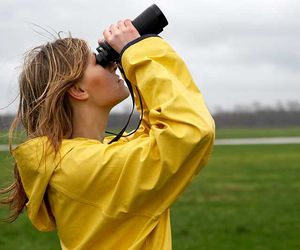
147, 174
176, 65
180, 129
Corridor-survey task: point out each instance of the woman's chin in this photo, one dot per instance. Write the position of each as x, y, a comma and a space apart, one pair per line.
122, 97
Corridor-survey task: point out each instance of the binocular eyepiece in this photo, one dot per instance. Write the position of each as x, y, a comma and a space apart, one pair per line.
150, 21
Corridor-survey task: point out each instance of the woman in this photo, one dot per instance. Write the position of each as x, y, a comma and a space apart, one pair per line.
99, 195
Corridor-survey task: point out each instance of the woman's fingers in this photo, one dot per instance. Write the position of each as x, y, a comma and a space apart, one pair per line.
121, 25
101, 40
106, 33
114, 28
119, 34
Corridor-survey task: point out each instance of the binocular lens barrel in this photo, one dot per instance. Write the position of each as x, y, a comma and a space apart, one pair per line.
150, 21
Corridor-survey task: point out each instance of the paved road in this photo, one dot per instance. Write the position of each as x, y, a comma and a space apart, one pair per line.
242, 141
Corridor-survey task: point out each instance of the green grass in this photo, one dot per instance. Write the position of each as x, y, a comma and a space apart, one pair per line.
19, 137
224, 133
247, 198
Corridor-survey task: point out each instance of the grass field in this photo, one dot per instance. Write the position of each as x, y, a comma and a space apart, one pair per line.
247, 198
224, 133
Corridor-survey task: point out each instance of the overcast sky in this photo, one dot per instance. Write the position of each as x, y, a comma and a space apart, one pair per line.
238, 51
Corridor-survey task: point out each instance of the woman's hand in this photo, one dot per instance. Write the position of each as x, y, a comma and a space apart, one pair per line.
120, 34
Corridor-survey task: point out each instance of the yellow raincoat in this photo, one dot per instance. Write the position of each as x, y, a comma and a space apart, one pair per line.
117, 196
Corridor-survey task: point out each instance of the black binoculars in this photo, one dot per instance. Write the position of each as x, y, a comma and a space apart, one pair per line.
150, 21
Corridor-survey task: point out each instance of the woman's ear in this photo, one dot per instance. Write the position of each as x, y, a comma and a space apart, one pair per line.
78, 93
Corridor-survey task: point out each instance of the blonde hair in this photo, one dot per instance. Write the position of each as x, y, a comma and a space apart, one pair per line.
44, 110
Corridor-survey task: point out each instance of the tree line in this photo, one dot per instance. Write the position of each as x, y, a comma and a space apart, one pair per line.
257, 116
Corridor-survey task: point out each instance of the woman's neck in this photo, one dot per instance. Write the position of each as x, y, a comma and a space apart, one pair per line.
89, 123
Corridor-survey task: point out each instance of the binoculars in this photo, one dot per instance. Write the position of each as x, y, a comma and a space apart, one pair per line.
150, 21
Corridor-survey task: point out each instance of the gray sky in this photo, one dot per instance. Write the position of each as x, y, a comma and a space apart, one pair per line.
239, 52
